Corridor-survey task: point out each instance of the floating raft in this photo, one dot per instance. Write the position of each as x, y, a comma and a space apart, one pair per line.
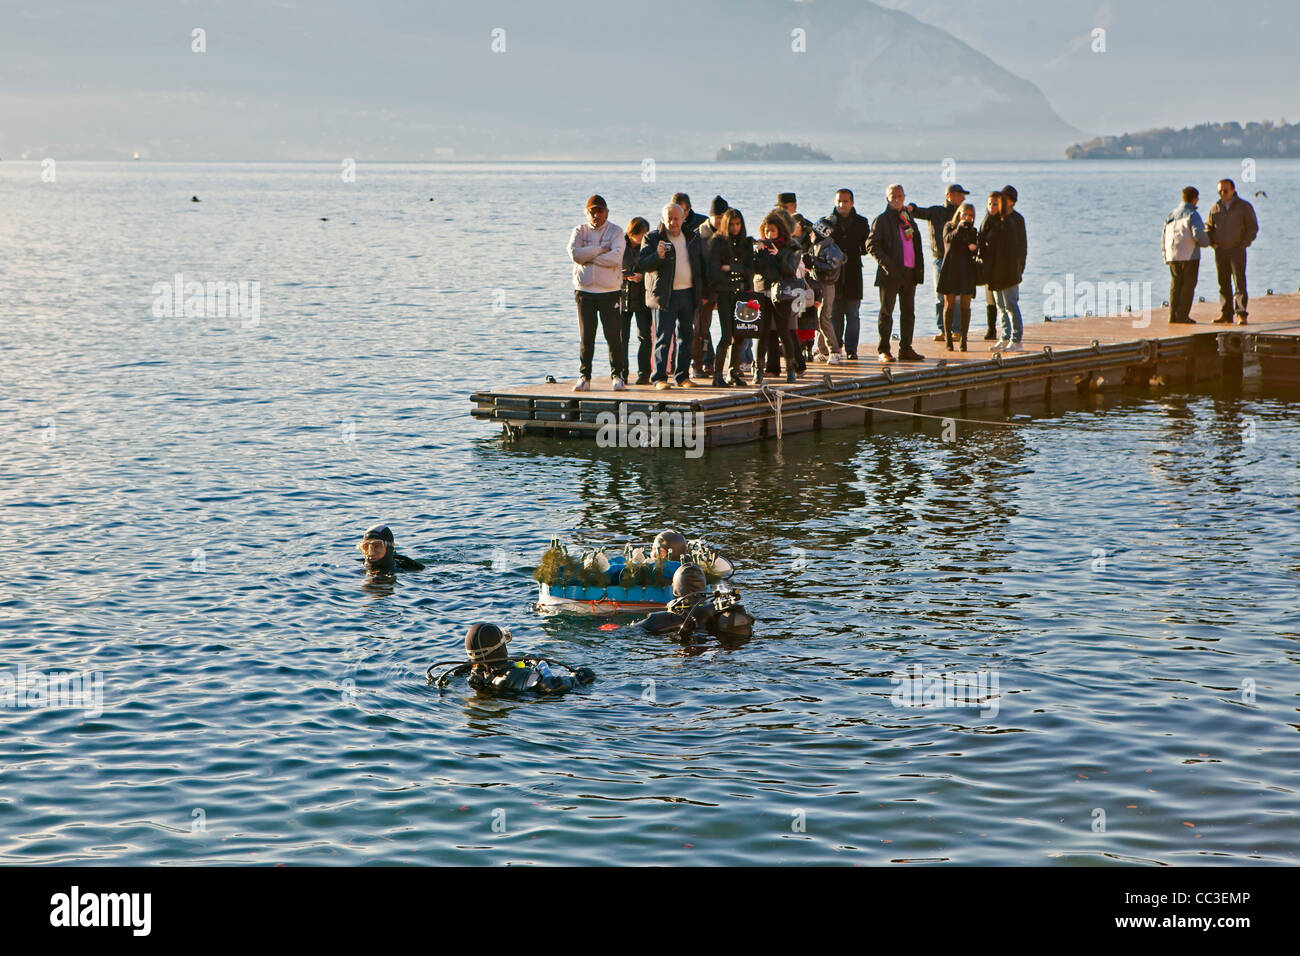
607, 598
580, 599
1064, 357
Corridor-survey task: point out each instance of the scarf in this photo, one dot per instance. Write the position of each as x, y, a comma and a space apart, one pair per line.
906, 220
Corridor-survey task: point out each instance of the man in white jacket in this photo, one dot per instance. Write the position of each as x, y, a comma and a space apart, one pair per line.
596, 248
1180, 240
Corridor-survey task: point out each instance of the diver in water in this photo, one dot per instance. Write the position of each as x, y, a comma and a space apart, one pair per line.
693, 610
491, 671
377, 548
669, 545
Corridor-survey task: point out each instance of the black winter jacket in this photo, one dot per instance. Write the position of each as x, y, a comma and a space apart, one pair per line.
998, 252
886, 245
850, 234
938, 217
693, 221
771, 267
957, 274
634, 291
736, 252
659, 272
1019, 242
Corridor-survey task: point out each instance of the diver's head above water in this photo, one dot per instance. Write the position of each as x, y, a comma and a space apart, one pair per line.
670, 545
377, 548
485, 645
689, 579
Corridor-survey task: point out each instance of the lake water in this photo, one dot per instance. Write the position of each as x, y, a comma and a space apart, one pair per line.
181, 498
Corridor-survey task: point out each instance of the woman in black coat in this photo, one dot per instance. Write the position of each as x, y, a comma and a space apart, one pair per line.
633, 304
957, 274
776, 260
731, 271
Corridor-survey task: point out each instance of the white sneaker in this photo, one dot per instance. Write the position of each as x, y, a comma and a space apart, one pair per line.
999, 345
835, 358
1014, 347
583, 385
619, 385
818, 357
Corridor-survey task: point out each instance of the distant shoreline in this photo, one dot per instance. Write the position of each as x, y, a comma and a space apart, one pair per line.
333, 161
1204, 141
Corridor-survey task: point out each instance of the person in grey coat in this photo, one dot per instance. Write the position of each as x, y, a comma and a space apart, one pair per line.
1232, 228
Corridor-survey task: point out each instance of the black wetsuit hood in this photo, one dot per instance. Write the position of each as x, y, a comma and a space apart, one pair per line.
389, 560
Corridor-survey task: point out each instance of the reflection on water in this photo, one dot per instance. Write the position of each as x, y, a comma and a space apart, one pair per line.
1127, 567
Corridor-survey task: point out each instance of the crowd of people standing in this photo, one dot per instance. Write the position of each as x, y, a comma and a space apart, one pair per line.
795, 290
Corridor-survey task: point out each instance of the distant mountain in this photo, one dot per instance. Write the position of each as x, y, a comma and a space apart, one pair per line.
1171, 62
395, 79
1208, 140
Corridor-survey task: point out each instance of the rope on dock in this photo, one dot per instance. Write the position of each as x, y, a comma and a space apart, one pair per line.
764, 390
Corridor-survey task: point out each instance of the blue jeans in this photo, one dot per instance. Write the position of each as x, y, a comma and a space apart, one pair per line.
845, 319
1008, 303
680, 313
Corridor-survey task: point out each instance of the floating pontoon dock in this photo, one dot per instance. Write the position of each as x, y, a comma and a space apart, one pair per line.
1062, 358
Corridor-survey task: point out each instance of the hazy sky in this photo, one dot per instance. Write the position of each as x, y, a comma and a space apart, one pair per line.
390, 79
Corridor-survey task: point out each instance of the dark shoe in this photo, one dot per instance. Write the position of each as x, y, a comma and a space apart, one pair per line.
991, 336
791, 377
718, 382
885, 357
642, 380
758, 376
910, 355
735, 381
852, 356
939, 337
963, 344
1241, 319
1222, 321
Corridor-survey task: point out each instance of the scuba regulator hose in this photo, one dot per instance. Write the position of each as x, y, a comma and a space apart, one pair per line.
457, 668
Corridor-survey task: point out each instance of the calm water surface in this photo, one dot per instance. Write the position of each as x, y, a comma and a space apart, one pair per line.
181, 499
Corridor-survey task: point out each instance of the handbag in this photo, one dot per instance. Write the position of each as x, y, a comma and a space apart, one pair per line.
795, 291
747, 315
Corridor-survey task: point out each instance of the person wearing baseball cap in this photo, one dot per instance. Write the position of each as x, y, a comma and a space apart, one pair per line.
596, 248
938, 217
